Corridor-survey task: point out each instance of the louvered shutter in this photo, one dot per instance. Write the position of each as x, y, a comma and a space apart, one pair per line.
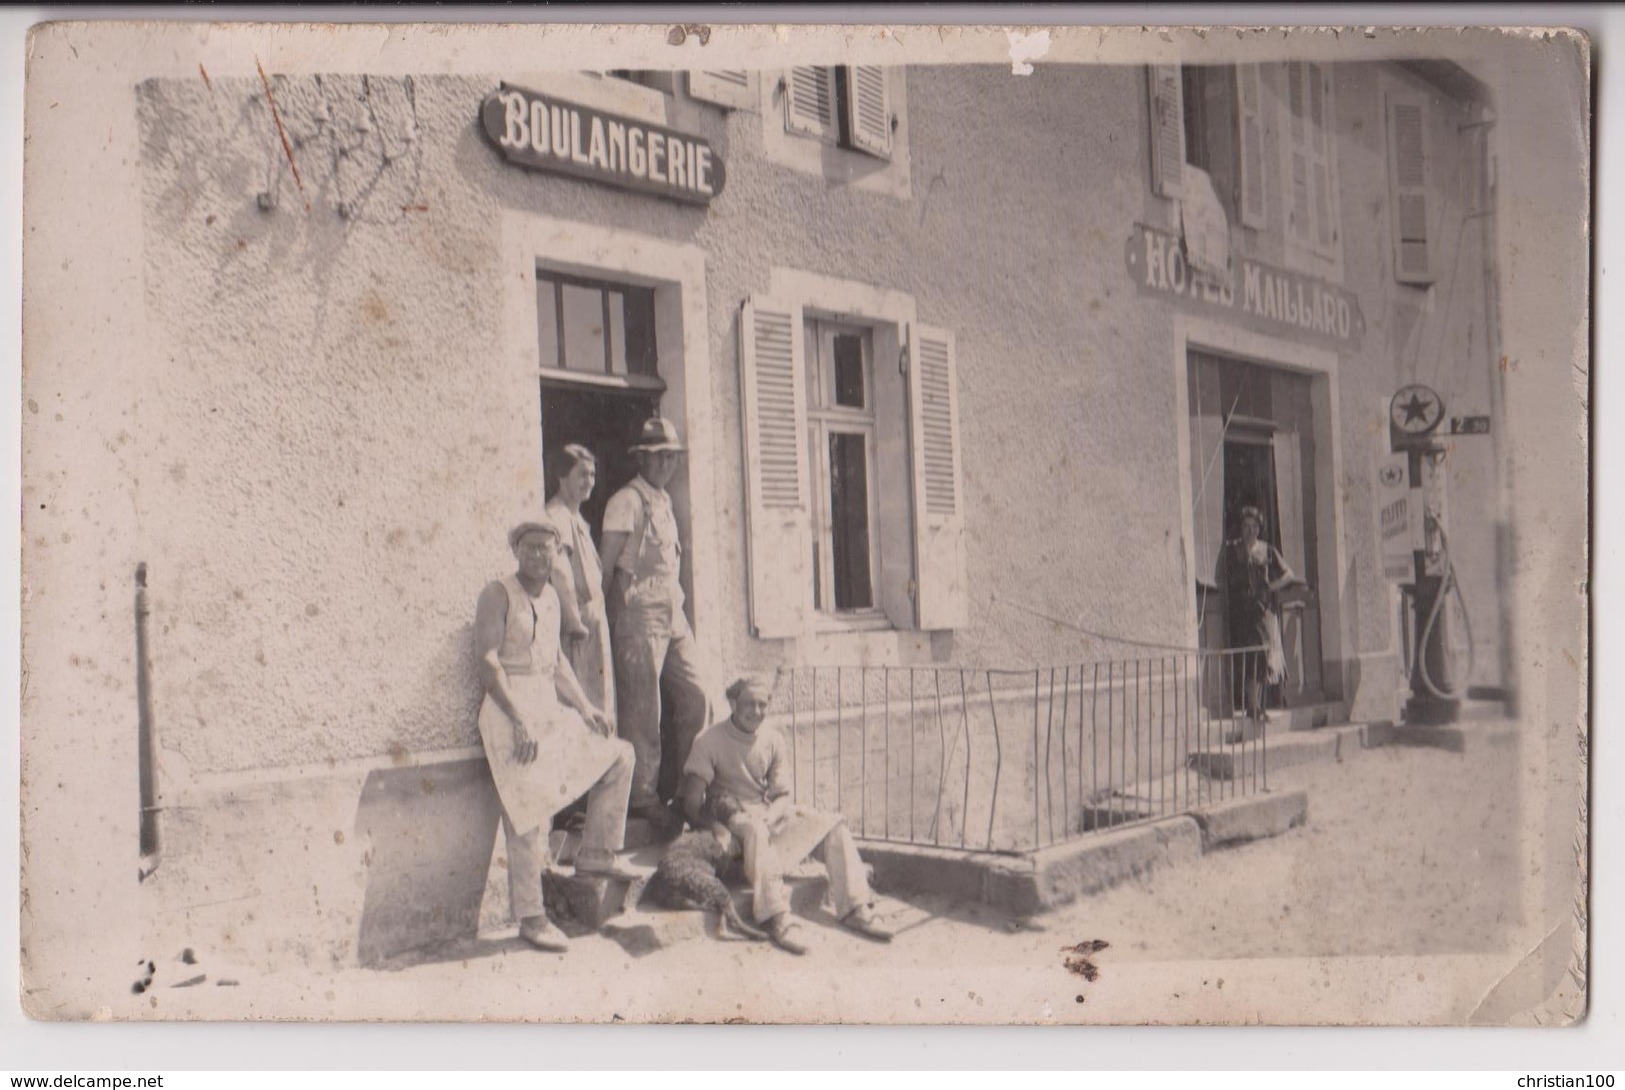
1249, 96
1408, 184
1167, 129
868, 110
1322, 184
941, 596
1207, 465
1295, 142
809, 102
727, 87
777, 511
1288, 453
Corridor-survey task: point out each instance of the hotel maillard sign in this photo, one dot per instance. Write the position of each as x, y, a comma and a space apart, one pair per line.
1262, 297
547, 133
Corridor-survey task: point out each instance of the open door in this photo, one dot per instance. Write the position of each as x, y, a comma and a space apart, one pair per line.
1253, 444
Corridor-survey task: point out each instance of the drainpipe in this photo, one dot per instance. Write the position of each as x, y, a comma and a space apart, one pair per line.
147, 769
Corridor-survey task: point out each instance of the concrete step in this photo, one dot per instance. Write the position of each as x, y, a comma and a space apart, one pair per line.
640, 836
1257, 758
1236, 821
1276, 751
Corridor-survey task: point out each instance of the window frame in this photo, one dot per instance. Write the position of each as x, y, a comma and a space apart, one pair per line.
1306, 252
826, 418
923, 578
647, 373
827, 159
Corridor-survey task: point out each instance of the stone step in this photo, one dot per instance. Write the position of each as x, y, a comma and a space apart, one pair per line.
1277, 751
1265, 755
1175, 793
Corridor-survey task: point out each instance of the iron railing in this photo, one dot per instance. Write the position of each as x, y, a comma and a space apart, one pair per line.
1015, 760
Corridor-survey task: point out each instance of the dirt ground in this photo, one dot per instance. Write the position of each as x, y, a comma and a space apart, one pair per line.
1397, 902
1407, 851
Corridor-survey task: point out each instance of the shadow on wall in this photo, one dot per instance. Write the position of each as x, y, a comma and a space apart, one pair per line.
429, 832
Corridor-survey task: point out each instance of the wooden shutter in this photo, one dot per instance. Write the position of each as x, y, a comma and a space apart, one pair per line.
1167, 129
1295, 152
1250, 142
941, 598
1288, 453
868, 110
1408, 191
809, 102
777, 511
1322, 182
1207, 465
728, 87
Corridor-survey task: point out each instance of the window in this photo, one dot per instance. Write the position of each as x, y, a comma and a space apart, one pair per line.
733, 87
841, 434
1309, 184
855, 510
1408, 188
594, 327
848, 106
1214, 118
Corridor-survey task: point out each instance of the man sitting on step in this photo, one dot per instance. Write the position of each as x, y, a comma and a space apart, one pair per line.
752, 763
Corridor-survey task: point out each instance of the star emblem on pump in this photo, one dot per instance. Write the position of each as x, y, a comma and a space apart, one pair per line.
1416, 410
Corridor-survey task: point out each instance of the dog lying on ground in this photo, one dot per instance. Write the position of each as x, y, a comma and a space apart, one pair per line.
691, 870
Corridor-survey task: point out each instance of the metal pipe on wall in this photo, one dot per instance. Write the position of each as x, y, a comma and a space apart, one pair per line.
147, 770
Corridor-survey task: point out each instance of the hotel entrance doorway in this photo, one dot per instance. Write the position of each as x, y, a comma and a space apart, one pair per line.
1253, 444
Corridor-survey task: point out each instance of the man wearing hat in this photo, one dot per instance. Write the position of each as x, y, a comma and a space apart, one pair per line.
547, 744
653, 645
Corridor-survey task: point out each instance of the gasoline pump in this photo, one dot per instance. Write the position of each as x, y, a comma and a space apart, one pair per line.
1414, 417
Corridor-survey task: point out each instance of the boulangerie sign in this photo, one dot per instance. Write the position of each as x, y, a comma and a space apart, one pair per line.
547, 133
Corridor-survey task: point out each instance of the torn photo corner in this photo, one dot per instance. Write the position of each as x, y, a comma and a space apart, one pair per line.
886, 525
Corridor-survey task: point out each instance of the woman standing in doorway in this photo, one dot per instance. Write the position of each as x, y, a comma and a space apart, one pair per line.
580, 580
1251, 574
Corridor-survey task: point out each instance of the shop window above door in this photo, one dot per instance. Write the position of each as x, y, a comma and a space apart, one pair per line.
596, 329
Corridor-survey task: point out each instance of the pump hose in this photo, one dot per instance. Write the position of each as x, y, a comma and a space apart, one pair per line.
1451, 585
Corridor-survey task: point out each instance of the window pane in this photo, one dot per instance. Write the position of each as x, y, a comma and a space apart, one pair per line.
849, 370
638, 318
849, 521
583, 328
617, 333
547, 322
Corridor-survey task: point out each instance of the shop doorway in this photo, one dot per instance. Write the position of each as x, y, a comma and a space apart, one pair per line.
606, 422
1253, 443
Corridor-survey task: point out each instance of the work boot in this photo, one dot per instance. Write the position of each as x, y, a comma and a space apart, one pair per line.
540, 932
863, 920
784, 934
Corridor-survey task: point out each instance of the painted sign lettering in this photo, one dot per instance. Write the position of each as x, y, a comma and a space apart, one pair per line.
1261, 296
547, 133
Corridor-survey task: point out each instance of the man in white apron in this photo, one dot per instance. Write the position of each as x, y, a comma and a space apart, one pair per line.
544, 754
652, 642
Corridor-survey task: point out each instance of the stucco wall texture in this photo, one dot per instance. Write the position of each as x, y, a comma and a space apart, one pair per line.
329, 457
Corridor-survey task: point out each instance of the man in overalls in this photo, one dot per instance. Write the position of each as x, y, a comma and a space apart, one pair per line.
652, 643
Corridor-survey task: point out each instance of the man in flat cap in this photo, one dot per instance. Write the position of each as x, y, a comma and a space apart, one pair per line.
546, 742
653, 646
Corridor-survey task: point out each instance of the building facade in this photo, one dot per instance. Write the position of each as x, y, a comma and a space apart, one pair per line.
975, 371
